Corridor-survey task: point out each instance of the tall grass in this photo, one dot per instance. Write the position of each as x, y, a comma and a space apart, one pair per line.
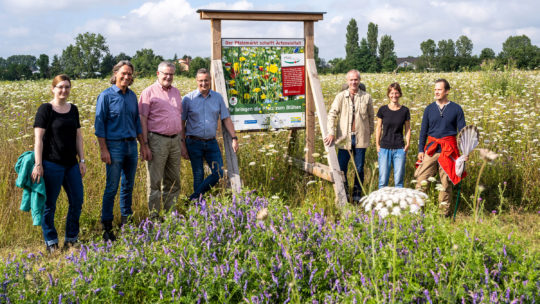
507, 119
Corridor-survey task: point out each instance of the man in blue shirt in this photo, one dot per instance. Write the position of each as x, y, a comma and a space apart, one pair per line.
437, 145
117, 126
201, 110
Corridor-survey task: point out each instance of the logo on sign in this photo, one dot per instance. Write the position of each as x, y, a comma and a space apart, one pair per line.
296, 119
250, 122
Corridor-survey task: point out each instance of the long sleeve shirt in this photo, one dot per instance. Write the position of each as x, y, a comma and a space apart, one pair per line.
117, 114
440, 123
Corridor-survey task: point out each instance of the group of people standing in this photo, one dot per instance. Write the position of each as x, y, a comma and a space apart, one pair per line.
351, 123
169, 127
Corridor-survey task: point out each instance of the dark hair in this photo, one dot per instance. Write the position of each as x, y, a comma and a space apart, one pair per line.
118, 66
446, 84
60, 78
394, 86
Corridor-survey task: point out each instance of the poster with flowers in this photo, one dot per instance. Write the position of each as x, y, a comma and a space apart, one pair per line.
265, 82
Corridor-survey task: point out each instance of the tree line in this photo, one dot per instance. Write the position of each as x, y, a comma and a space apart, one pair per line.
370, 55
89, 57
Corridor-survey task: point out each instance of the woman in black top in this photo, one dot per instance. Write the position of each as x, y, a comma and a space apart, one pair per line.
391, 147
58, 141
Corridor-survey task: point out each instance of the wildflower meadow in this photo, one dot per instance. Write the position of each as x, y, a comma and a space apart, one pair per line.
283, 240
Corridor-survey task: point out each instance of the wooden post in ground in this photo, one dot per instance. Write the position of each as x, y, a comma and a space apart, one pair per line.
218, 85
309, 51
337, 174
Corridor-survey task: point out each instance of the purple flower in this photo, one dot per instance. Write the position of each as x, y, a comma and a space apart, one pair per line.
426, 293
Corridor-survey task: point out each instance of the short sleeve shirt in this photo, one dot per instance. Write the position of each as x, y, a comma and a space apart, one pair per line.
163, 109
392, 126
203, 113
60, 138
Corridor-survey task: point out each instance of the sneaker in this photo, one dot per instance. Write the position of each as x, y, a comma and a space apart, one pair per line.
52, 248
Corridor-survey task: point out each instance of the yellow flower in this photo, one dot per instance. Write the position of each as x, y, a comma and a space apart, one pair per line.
246, 95
273, 68
242, 58
257, 90
232, 82
236, 67
253, 55
234, 92
263, 96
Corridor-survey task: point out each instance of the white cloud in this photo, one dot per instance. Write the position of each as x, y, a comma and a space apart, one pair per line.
473, 12
43, 6
17, 31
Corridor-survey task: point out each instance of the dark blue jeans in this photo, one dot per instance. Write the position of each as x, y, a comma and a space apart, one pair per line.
359, 156
124, 157
56, 176
204, 150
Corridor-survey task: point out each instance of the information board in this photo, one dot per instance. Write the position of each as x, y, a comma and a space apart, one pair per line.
265, 80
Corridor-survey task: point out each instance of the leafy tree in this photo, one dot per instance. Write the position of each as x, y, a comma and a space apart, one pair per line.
92, 48
27, 60
322, 66
107, 65
368, 63
487, 54
372, 37
387, 55
71, 61
17, 71
120, 57
464, 58
518, 49
198, 63
351, 47
43, 65
3, 63
446, 55
464, 46
337, 66
146, 62
427, 60
56, 66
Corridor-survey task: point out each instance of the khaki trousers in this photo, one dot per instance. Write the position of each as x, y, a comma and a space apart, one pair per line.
163, 172
427, 169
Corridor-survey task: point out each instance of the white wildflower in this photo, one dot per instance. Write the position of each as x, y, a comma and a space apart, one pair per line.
383, 212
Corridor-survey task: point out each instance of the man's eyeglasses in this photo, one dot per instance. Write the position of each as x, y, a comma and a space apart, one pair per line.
167, 74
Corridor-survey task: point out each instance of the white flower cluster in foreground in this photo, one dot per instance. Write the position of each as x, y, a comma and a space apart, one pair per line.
394, 201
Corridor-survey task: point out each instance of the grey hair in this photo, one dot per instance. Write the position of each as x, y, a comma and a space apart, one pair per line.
202, 71
166, 64
118, 66
355, 71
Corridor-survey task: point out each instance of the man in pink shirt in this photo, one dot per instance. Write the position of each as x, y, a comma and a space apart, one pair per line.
160, 108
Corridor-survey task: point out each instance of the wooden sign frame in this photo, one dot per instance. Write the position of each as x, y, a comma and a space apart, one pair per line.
314, 96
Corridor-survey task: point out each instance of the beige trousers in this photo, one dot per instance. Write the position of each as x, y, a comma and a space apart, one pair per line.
163, 172
427, 169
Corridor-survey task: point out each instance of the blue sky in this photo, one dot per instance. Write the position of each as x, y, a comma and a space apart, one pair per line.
173, 26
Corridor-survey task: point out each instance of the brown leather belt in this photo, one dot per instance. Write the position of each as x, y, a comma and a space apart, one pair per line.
199, 138
169, 136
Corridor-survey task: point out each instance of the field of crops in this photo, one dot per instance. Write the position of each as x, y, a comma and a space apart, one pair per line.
306, 250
